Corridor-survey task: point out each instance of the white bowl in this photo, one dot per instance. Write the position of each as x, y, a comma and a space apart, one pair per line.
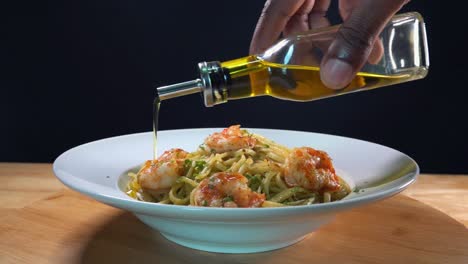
98, 169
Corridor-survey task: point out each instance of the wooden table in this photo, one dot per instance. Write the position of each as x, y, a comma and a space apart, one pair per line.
42, 221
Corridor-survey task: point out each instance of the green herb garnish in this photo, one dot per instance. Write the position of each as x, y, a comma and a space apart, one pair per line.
254, 181
200, 165
228, 199
187, 165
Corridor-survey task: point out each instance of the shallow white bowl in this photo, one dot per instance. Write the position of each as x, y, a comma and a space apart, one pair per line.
98, 169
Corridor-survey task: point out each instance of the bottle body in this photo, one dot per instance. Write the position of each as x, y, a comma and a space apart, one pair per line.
294, 82
290, 70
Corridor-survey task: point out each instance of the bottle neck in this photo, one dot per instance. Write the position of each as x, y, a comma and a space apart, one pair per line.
215, 82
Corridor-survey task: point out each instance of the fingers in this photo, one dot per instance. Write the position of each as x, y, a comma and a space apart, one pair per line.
376, 53
300, 20
345, 7
275, 15
355, 40
312, 14
317, 17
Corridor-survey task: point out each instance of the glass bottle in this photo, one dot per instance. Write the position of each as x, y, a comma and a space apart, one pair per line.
290, 68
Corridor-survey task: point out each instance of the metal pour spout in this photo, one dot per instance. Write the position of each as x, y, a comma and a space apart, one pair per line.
212, 84
180, 89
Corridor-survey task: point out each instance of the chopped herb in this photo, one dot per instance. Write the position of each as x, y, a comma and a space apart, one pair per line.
202, 147
200, 165
254, 182
205, 203
356, 190
211, 186
187, 165
228, 199
267, 146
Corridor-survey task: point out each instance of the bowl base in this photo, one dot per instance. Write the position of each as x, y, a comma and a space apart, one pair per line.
230, 248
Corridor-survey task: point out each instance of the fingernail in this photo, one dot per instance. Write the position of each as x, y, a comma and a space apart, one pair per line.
336, 74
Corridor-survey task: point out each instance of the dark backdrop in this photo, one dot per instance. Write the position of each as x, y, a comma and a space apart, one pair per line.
83, 70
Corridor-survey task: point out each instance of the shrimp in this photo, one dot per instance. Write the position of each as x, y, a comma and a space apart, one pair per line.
225, 189
311, 169
231, 138
160, 174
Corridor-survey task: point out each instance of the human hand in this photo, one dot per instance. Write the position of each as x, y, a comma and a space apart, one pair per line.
355, 43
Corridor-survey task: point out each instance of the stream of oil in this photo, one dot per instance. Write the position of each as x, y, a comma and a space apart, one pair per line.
156, 105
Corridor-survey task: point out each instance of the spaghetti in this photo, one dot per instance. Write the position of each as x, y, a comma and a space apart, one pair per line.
235, 168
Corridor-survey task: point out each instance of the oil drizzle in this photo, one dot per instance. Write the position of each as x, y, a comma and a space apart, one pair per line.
156, 105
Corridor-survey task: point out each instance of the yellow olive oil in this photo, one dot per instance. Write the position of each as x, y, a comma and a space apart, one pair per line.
156, 105
251, 76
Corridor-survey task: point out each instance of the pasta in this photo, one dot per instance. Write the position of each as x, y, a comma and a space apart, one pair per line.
235, 168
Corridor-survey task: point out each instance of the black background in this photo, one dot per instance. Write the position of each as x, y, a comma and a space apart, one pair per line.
77, 71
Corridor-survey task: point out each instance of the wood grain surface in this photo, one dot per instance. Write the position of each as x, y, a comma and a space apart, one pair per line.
42, 221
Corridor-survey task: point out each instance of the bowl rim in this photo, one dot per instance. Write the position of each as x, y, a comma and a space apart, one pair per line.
167, 210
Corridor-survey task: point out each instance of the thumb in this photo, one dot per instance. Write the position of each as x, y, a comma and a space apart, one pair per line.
354, 41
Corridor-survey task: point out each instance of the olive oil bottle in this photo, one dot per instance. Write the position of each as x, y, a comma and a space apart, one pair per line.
289, 69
